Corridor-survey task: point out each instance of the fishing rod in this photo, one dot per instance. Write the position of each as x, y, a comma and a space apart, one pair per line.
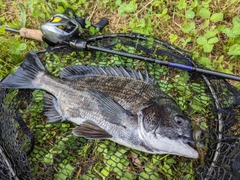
65, 30
26, 33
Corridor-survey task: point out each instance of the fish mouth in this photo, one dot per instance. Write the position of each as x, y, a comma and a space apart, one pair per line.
189, 141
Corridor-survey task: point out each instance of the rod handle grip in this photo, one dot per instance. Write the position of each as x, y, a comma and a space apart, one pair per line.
31, 34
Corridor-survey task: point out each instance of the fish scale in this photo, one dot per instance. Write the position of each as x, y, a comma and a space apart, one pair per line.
131, 93
122, 105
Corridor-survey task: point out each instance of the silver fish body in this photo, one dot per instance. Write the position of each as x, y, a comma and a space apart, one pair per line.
113, 103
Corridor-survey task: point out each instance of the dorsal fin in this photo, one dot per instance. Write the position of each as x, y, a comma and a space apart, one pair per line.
79, 71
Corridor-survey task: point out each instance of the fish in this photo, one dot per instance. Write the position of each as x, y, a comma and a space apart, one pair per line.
114, 103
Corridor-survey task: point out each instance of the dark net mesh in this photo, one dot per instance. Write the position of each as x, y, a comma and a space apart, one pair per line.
14, 144
211, 104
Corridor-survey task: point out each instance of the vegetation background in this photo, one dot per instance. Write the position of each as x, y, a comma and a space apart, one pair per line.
210, 29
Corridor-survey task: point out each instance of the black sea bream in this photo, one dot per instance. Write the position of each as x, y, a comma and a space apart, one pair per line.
122, 105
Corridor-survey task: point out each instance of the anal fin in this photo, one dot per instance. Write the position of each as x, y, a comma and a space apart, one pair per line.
51, 108
91, 130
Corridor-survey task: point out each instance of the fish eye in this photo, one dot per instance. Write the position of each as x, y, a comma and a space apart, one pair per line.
179, 120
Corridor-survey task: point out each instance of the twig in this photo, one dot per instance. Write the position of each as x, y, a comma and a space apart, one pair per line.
93, 12
144, 7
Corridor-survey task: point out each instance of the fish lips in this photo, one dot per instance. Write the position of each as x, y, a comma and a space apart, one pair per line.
180, 146
191, 143
188, 140
183, 146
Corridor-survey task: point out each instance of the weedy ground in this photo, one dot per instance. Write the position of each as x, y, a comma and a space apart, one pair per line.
208, 29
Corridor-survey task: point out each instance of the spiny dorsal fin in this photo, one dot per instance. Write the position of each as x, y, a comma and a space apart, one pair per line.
79, 71
90, 130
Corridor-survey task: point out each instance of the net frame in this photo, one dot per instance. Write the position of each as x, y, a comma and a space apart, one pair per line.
212, 168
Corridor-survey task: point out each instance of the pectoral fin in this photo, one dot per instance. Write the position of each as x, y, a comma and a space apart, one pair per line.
51, 108
91, 130
111, 109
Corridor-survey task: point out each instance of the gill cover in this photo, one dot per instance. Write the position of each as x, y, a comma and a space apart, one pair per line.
60, 28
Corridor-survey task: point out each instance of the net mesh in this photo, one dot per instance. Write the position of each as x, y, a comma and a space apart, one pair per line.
211, 104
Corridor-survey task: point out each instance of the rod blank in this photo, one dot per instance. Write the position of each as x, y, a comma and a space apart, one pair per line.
169, 64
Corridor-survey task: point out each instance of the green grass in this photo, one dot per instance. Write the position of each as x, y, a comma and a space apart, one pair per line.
208, 29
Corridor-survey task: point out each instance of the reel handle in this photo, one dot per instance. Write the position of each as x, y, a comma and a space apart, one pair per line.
81, 21
101, 24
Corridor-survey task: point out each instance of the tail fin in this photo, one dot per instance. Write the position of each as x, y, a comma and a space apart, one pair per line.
27, 75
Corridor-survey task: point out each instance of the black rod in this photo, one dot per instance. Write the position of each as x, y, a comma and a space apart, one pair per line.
165, 63
11, 29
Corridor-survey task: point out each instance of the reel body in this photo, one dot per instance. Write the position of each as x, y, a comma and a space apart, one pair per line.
60, 28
